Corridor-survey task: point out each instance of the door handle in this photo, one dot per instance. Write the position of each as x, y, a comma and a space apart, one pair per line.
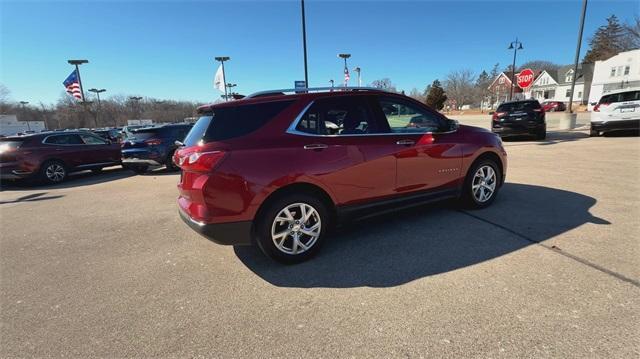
315, 146
406, 142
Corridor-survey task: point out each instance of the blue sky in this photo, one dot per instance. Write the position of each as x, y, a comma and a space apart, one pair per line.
165, 49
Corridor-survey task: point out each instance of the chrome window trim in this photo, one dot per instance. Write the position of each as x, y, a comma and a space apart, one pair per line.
62, 144
292, 129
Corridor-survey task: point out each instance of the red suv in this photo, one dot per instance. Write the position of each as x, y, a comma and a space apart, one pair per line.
281, 170
51, 156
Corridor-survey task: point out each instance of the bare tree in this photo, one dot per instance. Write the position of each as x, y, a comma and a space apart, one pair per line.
460, 87
384, 84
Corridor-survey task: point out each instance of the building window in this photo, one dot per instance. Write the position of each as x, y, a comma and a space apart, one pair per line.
568, 93
626, 70
613, 72
619, 70
580, 94
501, 80
569, 76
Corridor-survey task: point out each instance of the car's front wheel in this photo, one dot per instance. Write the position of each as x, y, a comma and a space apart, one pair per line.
482, 184
292, 228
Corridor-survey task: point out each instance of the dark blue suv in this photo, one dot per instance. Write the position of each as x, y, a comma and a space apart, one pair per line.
152, 146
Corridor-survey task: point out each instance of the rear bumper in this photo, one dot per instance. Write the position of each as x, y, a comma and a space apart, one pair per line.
13, 171
144, 156
231, 233
615, 125
526, 128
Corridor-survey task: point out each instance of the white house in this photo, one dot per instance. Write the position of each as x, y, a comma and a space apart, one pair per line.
556, 85
617, 72
9, 125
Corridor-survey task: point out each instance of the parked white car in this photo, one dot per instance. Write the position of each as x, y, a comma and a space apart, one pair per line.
617, 110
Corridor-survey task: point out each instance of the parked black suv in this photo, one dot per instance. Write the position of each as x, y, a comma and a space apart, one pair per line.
153, 146
520, 118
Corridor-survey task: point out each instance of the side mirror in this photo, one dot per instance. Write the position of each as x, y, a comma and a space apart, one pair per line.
593, 103
492, 112
178, 143
452, 125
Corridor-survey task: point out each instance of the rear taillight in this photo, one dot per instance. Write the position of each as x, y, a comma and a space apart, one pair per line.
597, 107
497, 115
153, 141
200, 161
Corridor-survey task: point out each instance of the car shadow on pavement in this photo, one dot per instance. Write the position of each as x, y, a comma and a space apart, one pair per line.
553, 137
394, 249
34, 197
84, 178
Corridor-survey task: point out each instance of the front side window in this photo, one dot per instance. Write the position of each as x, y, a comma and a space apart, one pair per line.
338, 116
92, 140
405, 117
64, 140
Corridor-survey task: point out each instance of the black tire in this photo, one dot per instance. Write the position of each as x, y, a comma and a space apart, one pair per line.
169, 162
139, 169
594, 133
541, 134
468, 198
264, 224
52, 172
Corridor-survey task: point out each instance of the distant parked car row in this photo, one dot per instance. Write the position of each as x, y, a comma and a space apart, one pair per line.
49, 157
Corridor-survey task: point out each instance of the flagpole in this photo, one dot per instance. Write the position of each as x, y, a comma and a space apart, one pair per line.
76, 63
222, 59
304, 46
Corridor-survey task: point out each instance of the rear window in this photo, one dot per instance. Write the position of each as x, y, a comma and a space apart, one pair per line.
231, 122
621, 97
147, 133
518, 106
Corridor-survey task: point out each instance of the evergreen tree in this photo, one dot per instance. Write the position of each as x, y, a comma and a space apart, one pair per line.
436, 96
608, 41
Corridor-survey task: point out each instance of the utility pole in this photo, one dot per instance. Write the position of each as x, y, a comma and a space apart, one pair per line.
222, 59
97, 92
304, 45
575, 62
137, 102
23, 103
357, 70
515, 46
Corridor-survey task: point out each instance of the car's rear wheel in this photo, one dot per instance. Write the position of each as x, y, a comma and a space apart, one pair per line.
292, 228
541, 134
53, 172
169, 162
594, 133
482, 184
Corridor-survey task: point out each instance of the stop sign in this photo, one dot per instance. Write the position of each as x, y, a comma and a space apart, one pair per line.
525, 78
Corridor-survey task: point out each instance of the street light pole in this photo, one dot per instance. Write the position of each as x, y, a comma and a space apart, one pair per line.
23, 103
97, 92
575, 62
76, 63
137, 101
331, 81
222, 59
515, 45
346, 69
230, 87
304, 45
357, 70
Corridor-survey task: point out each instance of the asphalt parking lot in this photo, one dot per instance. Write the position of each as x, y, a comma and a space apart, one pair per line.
102, 266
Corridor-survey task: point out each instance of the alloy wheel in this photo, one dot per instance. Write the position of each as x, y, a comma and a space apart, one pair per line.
296, 228
55, 172
484, 183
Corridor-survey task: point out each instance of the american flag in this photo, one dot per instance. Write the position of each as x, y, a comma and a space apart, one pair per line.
72, 84
346, 75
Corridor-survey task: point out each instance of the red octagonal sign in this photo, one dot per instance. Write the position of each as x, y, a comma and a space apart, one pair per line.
525, 78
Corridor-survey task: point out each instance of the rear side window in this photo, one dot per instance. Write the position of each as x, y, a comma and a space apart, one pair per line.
620, 97
518, 106
338, 116
630, 96
232, 122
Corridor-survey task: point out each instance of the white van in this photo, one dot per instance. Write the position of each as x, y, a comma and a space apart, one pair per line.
617, 110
